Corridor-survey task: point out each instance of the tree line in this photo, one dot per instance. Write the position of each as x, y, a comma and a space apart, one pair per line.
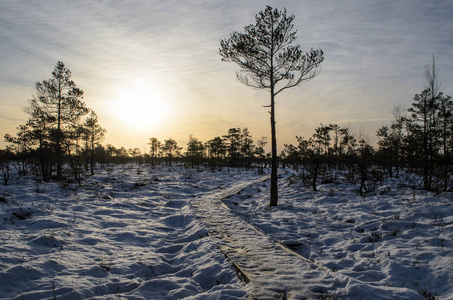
234, 149
419, 141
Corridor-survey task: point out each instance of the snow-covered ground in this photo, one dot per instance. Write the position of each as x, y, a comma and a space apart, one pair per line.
133, 232
396, 237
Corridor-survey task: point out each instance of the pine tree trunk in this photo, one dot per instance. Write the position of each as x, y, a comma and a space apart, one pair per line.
274, 188
446, 155
315, 174
58, 146
92, 154
426, 179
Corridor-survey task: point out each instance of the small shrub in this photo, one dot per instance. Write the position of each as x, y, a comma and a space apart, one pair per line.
23, 214
138, 185
360, 229
377, 234
394, 232
104, 266
425, 292
349, 220
375, 237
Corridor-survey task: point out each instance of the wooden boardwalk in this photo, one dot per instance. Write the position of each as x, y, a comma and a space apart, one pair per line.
274, 271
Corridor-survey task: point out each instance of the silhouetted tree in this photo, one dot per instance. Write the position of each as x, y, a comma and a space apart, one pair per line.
291, 156
136, 155
422, 129
121, 155
233, 145
154, 146
60, 100
6, 156
322, 138
170, 146
269, 61
313, 154
195, 149
21, 146
309, 152
365, 162
391, 142
336, 139
423, 125
216, 149
261, 153
95, 134
247, 147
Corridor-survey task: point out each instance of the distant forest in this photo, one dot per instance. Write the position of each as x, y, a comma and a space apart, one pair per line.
62, 140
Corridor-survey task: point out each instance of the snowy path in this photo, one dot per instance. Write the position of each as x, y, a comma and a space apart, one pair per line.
265, 263
275, 271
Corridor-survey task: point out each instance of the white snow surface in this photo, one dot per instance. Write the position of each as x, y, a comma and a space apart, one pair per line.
134, 232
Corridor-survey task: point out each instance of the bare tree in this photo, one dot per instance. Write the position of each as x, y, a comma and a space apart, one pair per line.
269, 61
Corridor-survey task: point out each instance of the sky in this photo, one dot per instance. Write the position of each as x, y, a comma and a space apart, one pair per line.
152, 68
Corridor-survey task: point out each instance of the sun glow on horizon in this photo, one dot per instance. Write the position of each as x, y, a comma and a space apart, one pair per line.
140, 105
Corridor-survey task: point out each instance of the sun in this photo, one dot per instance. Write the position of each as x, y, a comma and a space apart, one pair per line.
141, 105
